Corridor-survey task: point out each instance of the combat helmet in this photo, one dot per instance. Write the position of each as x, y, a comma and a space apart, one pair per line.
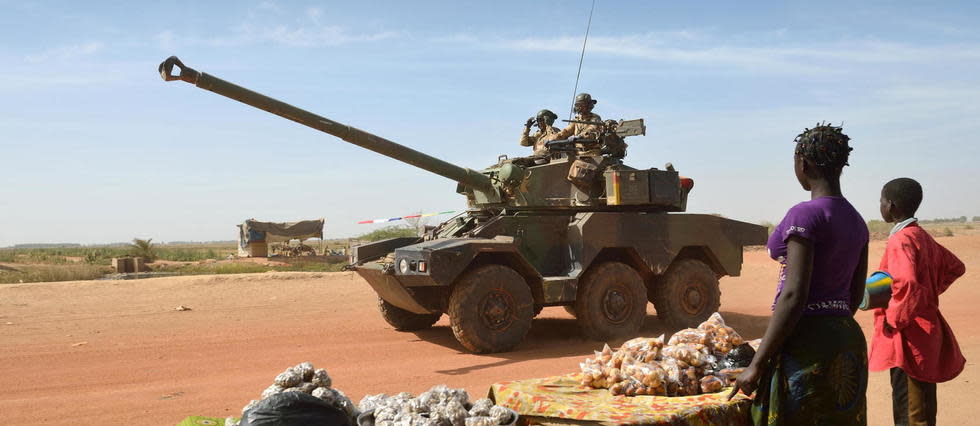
585, 98
583, 103
547, 116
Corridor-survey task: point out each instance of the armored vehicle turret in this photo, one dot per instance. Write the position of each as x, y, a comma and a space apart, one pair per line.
575, 228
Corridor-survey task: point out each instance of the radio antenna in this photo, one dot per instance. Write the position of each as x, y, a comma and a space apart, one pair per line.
571, 114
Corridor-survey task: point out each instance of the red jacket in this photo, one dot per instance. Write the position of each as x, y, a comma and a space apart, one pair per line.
919, 341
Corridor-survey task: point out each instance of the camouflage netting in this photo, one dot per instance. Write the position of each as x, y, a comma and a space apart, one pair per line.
253, 230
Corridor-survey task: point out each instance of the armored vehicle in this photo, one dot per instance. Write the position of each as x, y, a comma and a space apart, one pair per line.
574, 228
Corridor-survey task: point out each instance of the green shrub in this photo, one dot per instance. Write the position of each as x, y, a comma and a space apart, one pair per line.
250, 268
143, 248
947, 232
389, 232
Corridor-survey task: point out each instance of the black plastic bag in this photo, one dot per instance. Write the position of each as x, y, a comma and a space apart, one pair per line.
294, 409
740, 357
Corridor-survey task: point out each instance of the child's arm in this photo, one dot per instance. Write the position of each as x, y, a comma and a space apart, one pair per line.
906, 290
953, 269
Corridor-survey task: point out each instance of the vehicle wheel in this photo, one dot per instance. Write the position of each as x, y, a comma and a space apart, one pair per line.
404, 320
687, 294
490, 309
570, 309
611, 302
537, 310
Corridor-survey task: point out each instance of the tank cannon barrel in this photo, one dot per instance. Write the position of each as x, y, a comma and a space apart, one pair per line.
465, 176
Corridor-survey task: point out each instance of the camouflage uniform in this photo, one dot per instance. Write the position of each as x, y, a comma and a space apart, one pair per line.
538, 139
579, 129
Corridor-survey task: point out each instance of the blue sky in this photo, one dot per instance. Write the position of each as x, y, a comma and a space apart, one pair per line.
96, 148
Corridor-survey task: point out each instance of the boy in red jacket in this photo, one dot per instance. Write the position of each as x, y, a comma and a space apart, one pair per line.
911, 337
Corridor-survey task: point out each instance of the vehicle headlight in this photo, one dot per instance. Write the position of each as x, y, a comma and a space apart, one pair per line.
403, 266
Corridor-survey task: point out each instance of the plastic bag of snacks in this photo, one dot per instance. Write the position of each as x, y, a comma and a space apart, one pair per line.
605, 355
650, 375
711, 384
644, 348
289, 378
689, 354
481, 408
694, 360
592, 374
723, 338
714, 321
439, 406
691, 335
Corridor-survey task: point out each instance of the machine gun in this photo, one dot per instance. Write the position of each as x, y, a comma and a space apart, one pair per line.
572, 145
608, 140
622, 128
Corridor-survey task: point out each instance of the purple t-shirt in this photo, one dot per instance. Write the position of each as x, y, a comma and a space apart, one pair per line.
838, 233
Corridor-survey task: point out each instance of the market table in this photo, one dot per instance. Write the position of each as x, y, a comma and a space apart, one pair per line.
563, 400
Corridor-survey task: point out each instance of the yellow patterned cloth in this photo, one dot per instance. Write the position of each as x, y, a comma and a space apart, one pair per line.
563, 398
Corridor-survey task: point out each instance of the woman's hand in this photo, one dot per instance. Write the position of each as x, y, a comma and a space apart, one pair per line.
747, 382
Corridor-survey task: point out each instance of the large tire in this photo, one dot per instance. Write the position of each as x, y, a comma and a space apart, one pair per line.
571, 310
687, 294
611, 302
404, 320
490, 309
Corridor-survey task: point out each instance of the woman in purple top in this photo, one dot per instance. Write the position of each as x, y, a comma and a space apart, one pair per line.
811, 367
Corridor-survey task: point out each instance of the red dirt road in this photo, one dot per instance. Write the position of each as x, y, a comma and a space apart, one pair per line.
114, 352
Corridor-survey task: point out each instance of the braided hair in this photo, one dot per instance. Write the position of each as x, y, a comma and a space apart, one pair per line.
825, 146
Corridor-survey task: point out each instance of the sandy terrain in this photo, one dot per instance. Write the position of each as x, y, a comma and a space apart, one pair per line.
113, 352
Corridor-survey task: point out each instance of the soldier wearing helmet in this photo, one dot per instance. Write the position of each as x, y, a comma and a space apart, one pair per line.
583, 112
546, 131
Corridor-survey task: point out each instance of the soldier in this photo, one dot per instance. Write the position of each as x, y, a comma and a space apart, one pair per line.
583, 109
546, 131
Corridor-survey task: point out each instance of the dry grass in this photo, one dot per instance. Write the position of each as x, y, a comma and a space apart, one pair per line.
44, 273
249, 267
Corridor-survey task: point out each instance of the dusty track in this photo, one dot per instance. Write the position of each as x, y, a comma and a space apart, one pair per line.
117, 352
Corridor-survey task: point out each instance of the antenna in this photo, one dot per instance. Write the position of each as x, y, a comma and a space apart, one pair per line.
571, 113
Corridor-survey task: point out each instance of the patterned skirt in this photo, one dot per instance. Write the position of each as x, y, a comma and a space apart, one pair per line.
819, 378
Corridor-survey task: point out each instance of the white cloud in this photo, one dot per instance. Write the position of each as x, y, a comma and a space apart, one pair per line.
268, 5
314, 14
67, 52
701, 48
166, 40
319, 36
261, 27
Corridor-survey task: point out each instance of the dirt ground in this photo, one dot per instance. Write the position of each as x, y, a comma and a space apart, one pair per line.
114, 352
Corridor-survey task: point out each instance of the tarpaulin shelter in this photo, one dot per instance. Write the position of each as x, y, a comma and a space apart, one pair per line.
254, 236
